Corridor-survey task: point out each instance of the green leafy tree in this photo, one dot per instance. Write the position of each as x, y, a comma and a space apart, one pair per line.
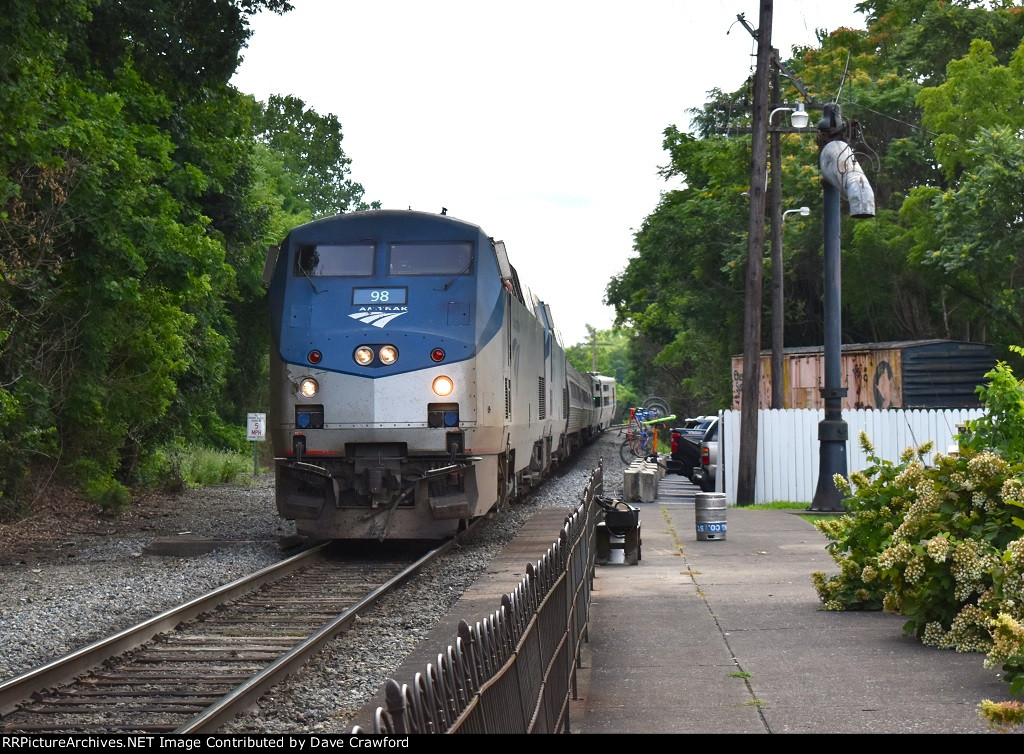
678, 292
313, 170
977, 93
125, 186
937, 261
38, 175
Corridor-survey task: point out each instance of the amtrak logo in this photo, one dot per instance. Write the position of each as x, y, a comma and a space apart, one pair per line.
379, 317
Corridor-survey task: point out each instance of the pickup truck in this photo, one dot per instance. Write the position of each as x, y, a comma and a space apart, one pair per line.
686, 439
706, 472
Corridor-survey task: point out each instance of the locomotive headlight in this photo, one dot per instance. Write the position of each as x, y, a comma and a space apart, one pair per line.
308, 387
388, 354
443, 386
363, 355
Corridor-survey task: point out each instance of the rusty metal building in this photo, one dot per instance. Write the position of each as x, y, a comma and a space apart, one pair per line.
904, 374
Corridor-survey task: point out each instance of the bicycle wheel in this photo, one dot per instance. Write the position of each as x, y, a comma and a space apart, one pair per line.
654, 403
625, 452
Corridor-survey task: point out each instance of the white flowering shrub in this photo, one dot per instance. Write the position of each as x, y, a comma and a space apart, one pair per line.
942, 544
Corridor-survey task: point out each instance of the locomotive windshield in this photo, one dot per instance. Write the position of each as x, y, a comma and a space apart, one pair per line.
449, 258
334, 260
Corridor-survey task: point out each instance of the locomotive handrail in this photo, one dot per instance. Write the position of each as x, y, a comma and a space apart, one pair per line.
468, 461
311, 468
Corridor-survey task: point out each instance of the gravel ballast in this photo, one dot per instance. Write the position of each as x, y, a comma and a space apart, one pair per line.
80, 586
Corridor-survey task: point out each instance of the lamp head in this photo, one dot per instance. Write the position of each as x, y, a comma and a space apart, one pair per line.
799, 117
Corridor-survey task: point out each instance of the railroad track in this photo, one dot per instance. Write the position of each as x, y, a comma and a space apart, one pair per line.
195, 667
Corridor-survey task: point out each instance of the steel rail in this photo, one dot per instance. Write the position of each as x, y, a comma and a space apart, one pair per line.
64, 669
246, 694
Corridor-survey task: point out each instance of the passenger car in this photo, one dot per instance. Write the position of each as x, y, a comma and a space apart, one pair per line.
706, 471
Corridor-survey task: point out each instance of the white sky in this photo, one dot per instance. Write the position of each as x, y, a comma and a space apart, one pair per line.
539, 120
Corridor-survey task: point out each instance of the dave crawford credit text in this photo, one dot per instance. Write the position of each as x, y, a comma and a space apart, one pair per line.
294, 742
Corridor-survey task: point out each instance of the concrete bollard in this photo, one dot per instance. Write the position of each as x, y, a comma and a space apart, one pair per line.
631, 483
648, 483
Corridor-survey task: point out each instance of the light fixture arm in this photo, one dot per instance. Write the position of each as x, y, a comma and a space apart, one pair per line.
778, 110
799, 117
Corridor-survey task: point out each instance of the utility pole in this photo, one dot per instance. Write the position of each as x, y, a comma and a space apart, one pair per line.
593, 347
747, 468
777, 265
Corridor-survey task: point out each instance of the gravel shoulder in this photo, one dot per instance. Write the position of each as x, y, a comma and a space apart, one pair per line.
70, 575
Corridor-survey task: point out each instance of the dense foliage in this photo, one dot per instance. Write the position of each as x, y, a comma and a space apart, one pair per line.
607, 352
943, 544
138, 193
931, 92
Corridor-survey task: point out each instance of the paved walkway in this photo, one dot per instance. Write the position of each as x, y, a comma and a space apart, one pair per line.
728, 636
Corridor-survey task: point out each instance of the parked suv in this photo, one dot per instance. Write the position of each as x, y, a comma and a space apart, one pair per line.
685, 455
706, 471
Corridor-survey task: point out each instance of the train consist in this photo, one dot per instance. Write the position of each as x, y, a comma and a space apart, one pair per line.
415, 383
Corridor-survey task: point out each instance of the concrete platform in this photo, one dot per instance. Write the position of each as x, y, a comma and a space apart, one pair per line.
728, 637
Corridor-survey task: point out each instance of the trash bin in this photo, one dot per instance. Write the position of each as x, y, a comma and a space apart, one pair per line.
710, 515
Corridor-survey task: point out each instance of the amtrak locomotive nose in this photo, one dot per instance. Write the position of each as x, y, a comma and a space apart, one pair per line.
414, 383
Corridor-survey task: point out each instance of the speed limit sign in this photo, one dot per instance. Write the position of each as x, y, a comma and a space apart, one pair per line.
257, 427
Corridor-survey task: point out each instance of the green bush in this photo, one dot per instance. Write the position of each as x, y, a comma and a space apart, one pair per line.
942, 544
98, 485
108, 493
26, 434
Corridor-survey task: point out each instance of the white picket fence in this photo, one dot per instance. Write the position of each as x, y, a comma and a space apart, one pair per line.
788, 451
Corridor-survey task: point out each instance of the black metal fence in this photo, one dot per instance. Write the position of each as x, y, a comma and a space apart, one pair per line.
514, 671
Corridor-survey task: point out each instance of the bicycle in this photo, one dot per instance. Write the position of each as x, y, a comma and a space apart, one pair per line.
652, 403
641, 434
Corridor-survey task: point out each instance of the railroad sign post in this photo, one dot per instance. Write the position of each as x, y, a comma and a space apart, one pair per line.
257, 432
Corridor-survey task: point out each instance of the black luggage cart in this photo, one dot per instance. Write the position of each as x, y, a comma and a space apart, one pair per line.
618, 528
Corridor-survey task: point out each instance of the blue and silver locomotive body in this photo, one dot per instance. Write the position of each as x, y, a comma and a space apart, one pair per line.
414, 384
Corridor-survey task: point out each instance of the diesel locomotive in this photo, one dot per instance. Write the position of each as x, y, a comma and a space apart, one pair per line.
416, 384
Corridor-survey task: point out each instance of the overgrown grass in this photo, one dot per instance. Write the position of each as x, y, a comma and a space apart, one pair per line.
179, 466
200, 467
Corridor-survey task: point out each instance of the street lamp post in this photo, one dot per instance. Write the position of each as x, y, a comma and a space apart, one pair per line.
841, 175
798, 118
778, 308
